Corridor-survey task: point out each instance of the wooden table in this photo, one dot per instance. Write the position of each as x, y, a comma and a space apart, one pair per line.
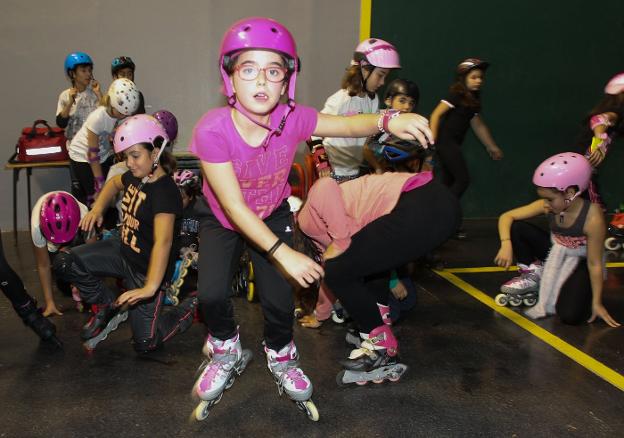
16, 167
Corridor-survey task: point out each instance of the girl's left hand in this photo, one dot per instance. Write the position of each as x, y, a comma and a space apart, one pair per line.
52, 310
599, 311
133, 296
410, 126
95, 85
495, 153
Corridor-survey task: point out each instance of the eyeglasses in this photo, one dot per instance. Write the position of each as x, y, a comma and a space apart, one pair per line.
249, 72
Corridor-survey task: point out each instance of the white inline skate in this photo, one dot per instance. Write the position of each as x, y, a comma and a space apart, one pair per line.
284, 366
375, 360
226, 360
522, 289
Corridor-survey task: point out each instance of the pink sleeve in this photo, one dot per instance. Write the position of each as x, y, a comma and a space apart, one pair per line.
307, 118
209, 146
326, 202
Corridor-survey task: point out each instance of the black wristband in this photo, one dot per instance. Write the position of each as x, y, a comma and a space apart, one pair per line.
274, 247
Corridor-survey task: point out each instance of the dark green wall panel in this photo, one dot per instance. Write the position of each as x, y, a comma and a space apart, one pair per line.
550, 61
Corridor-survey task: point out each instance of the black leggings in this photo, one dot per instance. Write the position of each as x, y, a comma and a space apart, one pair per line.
85, 266
452, 170
422, 219
10, 283
83, 183
531, 243
220, 250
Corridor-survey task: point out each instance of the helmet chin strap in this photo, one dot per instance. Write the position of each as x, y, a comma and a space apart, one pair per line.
232, 101
154, 164
567, 202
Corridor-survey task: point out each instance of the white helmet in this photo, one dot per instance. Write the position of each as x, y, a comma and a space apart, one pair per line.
124, 96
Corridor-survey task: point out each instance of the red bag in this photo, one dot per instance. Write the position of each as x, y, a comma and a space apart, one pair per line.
41, 144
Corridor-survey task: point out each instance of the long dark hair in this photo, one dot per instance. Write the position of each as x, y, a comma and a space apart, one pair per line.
610, 104
167, 161
353, 80
471, 99
306, 298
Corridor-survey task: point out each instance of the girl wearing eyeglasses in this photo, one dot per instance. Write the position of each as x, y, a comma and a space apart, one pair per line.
247, 149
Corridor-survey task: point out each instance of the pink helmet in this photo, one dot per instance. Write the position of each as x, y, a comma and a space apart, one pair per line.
616, 84
562, 171
169, 122
261, 34
59, 217
141, 128
184, 177
376, 52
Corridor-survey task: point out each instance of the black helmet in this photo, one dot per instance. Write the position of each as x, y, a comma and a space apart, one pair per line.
121, 62
403, 86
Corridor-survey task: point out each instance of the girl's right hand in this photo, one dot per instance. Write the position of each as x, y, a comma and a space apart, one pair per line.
504, 257
73, 92
91, 219
410, 126
300, 267
599, 311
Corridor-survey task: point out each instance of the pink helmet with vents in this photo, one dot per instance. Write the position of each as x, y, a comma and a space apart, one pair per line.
615, 84
376, 52
183, 177
141, 128
258, 33
59, 217
562, 171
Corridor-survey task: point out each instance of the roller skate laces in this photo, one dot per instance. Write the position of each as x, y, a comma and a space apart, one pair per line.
288, 376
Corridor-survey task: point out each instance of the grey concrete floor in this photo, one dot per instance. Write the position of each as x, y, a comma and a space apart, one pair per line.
471, 372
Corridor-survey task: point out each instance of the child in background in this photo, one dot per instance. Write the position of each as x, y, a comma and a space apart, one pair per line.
450, 121
25, 306
123, 67
90, 152
569, 271
363, 226
246, 151
54, 227
372, 62
143, 257
77, 102
603, 125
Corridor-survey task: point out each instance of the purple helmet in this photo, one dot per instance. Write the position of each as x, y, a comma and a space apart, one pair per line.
470, 64
261, 34
59, 217
184, 177
141, 128
562, 171
616, 84
376, 52
169, 122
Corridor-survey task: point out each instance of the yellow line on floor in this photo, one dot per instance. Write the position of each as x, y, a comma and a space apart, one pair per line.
511, 268
557, 343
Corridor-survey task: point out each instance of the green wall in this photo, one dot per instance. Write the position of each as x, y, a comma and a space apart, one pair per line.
550, 62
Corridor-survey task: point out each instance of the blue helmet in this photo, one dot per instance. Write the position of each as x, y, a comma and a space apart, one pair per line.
76, 58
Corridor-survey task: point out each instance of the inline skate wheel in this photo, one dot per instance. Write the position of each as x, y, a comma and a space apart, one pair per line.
530, 302
501, 300
202, 410
378, 381
311, 411
612, 244
515, 301
250, 291
174, 301
336, 318
394, 378
178, 283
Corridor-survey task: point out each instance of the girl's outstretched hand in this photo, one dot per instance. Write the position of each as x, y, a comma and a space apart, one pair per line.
410, 126
504, 257
91, 219
133, 296
599, 311
495, 153
300, 267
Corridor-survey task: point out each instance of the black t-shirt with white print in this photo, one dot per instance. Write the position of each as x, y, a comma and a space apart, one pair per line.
139, 209
456, 121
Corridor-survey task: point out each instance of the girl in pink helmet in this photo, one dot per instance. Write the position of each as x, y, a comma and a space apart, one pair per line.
451, 119
565, 266
144, 255
602, 126
246, 151
372, 61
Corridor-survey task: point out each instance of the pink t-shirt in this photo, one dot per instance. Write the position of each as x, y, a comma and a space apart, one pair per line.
262, 173
334, 212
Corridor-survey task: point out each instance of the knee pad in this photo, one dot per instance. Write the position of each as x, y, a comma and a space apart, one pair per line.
61, 266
